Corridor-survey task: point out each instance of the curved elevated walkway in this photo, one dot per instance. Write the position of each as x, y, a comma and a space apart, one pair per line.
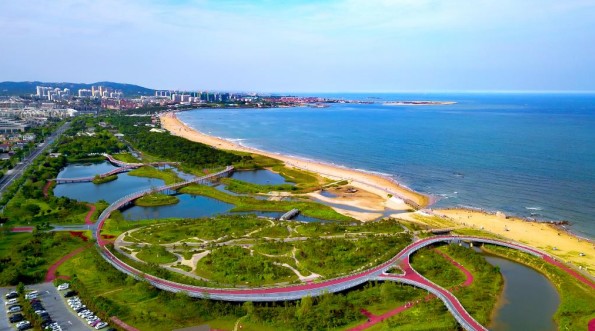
122, 167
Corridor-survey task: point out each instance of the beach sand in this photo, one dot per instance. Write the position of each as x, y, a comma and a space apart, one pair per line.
543, 236
376, 184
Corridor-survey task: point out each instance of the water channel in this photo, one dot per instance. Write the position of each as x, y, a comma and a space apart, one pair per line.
529, 300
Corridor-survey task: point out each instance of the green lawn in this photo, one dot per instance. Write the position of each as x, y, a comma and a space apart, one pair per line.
156, 199
125, 157
167, 175
156, 254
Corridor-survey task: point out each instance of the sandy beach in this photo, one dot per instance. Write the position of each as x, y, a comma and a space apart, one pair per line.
543, 236
376, 184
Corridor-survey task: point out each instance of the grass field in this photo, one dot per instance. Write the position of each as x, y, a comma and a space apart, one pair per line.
125, 157
156, 199
167, 175
26, 257
479, 299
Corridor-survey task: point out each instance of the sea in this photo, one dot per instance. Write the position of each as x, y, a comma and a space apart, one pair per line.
525, 154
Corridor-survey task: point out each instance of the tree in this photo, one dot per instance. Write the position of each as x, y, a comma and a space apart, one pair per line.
248, 307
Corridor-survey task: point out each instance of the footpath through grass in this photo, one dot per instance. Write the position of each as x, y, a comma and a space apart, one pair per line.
26, 257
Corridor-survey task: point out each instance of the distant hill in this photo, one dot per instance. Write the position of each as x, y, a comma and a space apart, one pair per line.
24, 88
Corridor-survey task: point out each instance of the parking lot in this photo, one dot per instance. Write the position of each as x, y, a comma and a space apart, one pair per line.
53, 303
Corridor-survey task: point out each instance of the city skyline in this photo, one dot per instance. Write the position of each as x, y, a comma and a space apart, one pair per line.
304, 46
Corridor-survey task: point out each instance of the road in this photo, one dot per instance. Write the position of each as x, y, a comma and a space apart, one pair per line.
18, 170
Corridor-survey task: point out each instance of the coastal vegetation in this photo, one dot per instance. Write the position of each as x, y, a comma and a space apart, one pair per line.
577, 300
105, 179
169, 147
156, 199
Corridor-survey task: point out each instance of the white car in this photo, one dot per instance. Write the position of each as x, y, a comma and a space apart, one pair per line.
32, 295
11, 302
63, 286
100, 325
21, 323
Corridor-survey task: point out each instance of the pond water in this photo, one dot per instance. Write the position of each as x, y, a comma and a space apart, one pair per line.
529, 301
85, 169
261, 177
328, 194
190, 206
110, 191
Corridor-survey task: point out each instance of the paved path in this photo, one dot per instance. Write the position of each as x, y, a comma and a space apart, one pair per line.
89, 215
22, 229
375, 319
51, 274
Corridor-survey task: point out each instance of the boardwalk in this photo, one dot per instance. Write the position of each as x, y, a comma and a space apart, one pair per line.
121, 167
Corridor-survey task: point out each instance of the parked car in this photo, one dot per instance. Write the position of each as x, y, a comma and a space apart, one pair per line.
24, 325
16, 318
11, 302
11, 295
102, 325
63, 286
14, 309
32, 295
69, 294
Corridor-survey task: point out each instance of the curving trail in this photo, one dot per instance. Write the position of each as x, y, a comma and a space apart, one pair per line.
51, 274
375, 319
46, 188
89, 215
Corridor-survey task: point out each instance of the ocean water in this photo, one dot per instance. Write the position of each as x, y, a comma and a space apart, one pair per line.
530, 155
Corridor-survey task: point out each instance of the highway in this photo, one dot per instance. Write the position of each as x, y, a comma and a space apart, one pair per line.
18, 170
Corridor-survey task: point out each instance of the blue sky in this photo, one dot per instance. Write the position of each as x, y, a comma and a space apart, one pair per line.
303, 46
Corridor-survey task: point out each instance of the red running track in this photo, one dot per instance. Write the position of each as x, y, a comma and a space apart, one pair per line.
88, 219
20, 229
51, 274
375, 319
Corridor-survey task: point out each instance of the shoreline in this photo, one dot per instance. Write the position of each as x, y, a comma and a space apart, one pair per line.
371, 182
550, 238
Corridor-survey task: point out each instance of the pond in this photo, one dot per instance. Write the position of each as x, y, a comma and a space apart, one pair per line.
110, 191
261, 177
190, 206
529, 300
